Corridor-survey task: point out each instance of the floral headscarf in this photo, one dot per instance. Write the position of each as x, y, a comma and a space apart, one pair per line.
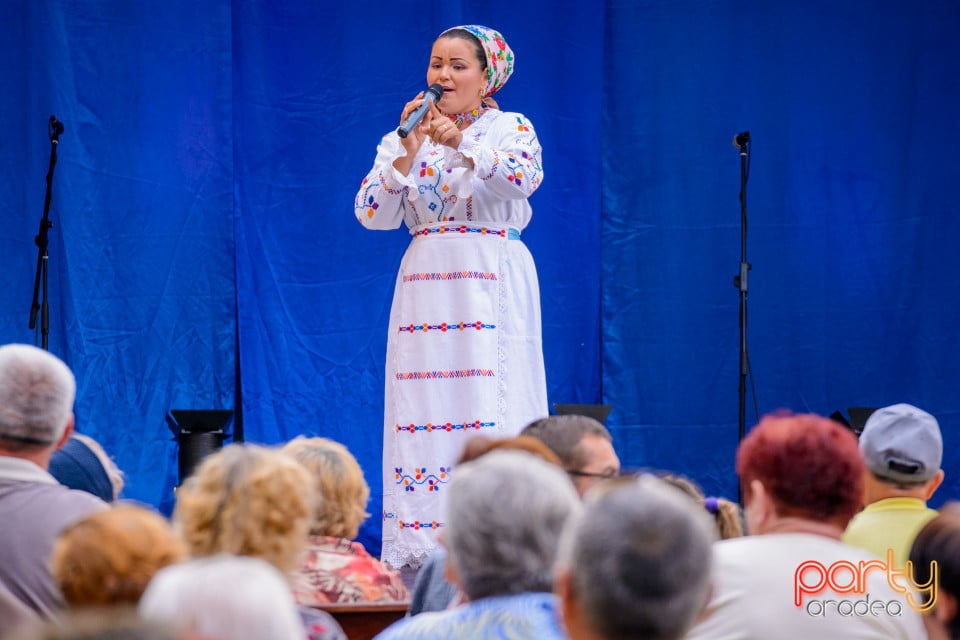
499, 55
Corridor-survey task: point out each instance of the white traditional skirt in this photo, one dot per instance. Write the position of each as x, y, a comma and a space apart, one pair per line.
464, 357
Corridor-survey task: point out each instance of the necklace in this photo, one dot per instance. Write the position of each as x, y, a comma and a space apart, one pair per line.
464, 120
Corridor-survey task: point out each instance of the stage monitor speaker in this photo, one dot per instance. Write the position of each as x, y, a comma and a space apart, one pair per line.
858, 417
598, 412
857, 420
199, 432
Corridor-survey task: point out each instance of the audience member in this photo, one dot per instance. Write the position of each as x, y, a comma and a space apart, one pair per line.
902, 449
225, 597
432, 591
727, 515
248, 500
13, 612
83, 464
506, 512
36, 417
802, 477
635, 563
335, 568
481, 445
938, 542
111, 623
584, 446
108, 557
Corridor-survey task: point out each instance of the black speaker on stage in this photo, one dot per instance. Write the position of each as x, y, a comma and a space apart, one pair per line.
199, 432
598, 412
858, 418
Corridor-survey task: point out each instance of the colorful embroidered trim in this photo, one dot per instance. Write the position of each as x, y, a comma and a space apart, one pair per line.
483, 231
420, 477
456, 373
464, 120
443, 326
367, 203
416, 524
449, 426
450, 275
493, 167
515, 166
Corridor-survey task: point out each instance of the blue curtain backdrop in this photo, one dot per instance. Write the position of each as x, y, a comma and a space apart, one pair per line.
203, 226
852, 218
141, 253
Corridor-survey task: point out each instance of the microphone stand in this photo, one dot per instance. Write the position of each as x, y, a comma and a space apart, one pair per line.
54, 129
742, 142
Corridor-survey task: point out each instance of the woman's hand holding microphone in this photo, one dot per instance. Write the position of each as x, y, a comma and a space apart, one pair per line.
421, 119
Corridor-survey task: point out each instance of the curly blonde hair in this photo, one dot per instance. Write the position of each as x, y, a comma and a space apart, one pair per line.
108, 557
342, 491
246, 500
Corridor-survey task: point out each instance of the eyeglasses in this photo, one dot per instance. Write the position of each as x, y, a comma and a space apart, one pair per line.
607, 475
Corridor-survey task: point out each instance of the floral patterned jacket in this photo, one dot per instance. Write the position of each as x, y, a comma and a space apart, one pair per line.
340, 570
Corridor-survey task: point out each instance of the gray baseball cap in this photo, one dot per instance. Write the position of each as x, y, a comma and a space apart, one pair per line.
902, 443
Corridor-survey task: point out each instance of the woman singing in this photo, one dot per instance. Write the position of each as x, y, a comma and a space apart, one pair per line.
464, 352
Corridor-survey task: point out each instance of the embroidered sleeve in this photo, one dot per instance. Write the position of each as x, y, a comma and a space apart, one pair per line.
507, 161
380, 202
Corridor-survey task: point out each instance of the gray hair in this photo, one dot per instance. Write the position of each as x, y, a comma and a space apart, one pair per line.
36, 395
224, 596
564, 433
639, 557
506, 511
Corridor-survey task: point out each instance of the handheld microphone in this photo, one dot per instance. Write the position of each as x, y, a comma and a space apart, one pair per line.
741, 139
432, 94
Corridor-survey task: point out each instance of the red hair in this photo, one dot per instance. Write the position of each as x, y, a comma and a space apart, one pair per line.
810, 466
